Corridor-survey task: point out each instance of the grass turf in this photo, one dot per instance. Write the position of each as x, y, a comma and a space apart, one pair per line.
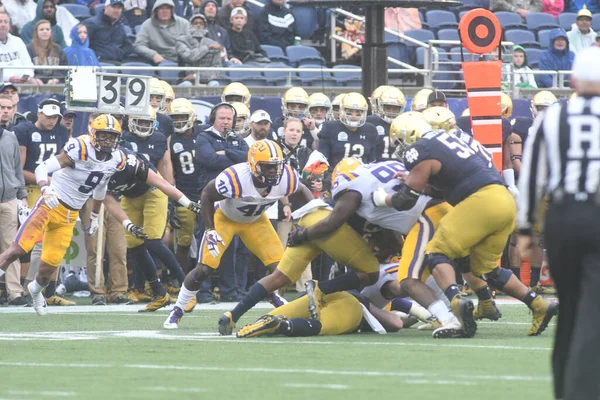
125, 355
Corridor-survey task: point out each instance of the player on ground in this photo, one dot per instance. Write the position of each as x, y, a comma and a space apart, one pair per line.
243, 192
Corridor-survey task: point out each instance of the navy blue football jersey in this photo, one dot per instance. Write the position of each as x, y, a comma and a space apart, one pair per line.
40, 144
165, 124
152, 148
277, 127
185, 166
131, 181
385, 149
464, 169
338, 142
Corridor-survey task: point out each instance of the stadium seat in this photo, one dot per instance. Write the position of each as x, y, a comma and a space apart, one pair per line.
544, 38
398, 51
98, 9
129, 71
566, 20
596, 22
521, 37
250, 78
306, 20
540, 20
348, 78
170, 76
275, 53
533, 55
254, 9
317, 78
441, 19
510, 20
276, 78
302, 55
454, 54
79, 11
422, 35
391, 38
447, 34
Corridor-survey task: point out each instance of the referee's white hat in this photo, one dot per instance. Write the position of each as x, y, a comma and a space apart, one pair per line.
585, 66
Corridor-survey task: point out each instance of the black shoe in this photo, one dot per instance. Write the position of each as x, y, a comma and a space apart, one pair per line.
28, 300
18, 301
98, 301
204, 298
121, 299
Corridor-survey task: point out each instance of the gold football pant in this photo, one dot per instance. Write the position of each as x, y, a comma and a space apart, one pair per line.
148, 211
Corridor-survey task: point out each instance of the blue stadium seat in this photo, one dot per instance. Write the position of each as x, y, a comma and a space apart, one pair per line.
137, 71
79, 11
441, 19
249, 78
400, 52
510, 20
306, 20
455, 54
98, 9
540, 20
170, 76
596, 22
275, 53
277, 78
448, 34
544, 38
349, 78
521, 37
391, 38
533, 56
423, 35
302, 55
315, 78
254, 9
565, 20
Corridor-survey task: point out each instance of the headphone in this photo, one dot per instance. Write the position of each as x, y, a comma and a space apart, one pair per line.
213, 114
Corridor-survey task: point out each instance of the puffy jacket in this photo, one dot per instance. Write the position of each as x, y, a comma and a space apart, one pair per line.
277, 26
80, 53
553, 59
152, 39
193, 51
57, 33
211, 163
108, 40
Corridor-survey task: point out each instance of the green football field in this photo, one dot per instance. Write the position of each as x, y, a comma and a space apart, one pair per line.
112, 352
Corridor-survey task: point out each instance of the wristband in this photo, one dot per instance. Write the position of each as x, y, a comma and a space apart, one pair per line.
288, 205
126, 223
184, 201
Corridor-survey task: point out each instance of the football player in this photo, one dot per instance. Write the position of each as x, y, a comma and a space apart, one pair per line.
506, 104
352, 135
183, 155
242, 122
319, 108
335, 106
419, 101
169, 97
145, 221
157, 102
236, 91
478, 226
375, 96
243, 192
81, 170
388, 105
294, 104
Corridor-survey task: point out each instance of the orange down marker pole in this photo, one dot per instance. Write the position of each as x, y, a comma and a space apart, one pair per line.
480, 33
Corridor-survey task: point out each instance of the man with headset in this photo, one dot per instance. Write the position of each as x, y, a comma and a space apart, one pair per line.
218, 148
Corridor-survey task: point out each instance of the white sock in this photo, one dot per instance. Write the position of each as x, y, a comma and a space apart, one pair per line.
439, 309
35, 287
419, 311
185, 296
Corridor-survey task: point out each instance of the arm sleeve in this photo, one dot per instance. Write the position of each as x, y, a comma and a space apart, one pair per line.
47, 167
99, 192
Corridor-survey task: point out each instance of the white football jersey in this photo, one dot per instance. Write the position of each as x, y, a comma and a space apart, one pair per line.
368, 178
244, 203
74, 185
387, 273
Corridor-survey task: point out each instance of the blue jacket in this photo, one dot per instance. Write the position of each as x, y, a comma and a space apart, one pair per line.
554, 60
277, 26
211, 163
109, 41
576, 5
57, 34
80, 53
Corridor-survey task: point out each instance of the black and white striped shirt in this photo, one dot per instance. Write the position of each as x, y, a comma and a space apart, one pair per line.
561, 157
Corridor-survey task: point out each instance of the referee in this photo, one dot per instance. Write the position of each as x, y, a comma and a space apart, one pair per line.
562, 160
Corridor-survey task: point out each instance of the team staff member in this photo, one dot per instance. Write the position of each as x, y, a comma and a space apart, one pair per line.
294, 104
561, 158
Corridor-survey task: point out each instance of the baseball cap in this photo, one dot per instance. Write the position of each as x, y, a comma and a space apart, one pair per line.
113, 2
50, 108
8, 85
239, 10
260, 115
201, 16
436, 95
584, 60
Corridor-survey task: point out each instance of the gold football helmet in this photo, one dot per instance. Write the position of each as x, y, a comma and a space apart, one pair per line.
236, 91
298, 97
345, 168
335, 106
320, 100
392, 97
375, 96
507, 105
541, 101
266, 161
419, 102
99, 128
440, 118
169, 97
143, 126
183, 115
357, 102
466, 113
406, 129
157, 94
573, 96
242, 123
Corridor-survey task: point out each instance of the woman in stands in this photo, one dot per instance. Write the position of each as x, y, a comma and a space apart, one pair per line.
43, 51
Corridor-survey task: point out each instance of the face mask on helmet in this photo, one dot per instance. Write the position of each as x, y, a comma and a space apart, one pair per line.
295, 110
269, 172
320, 114
106, 141
352, 117
242, 126
182, 122
142, 126
157, 102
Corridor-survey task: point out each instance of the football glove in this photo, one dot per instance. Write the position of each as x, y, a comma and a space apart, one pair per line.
94, 224
212, 239
174, 219
297, 236
195, 208
23, 212
50, 197
135, 230
378, 197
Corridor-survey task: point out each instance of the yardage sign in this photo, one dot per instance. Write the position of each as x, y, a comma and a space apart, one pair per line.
137, 95
110, 90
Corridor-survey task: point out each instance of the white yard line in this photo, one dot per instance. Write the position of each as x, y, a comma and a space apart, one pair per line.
42, 393
439, 382
333, 386
176, 389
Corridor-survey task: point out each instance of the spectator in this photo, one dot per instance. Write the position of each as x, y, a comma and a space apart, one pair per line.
197, 50
43, 51
224, 16
577, 5
79, 52
135, 12
553, 7
558, 57
65, 20
20, 11
216, 31
107, 35
12, 192
521, 7
13, 52
523, 78
183, 8
46, 9
244, 44
581, 35
7, 112
156, 40
10, 90
277, 25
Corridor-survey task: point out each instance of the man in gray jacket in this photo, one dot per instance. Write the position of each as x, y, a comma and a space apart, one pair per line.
12, 187
156, 40
197, 50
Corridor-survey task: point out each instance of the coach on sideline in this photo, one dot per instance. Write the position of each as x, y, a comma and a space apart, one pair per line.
12, 187
562, 160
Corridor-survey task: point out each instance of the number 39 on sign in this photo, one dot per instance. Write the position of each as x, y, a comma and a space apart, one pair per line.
137, 96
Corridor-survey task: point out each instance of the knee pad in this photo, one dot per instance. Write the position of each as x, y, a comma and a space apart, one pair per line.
498, 278
463, 265
433, 259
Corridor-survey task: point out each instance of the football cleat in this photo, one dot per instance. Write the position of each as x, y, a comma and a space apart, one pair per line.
172, 321
543, 311
38, 301
463, 310
539, 289
56, 300
315, 298
451, 329
171, 289
432, 324
158, 302
265, 325
226, 324
139, 296
465, 291
487, 309
190, 306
